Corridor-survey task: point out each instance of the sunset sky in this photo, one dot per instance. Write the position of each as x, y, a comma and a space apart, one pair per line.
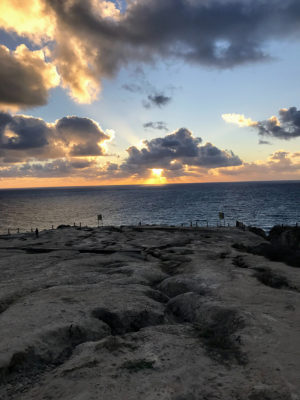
99, 92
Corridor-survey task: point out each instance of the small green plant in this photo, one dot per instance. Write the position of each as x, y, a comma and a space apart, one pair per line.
137, 365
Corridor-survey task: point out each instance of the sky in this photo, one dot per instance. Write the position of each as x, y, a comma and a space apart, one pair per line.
98, 92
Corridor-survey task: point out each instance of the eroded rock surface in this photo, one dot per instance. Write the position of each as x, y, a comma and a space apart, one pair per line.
147, 313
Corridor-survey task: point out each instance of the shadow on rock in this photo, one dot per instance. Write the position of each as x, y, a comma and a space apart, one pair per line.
284, 246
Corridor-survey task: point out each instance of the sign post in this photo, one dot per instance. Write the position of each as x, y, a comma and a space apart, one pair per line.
222, 217
100, 219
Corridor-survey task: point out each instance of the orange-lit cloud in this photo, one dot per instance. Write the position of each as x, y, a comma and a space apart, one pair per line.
105, 9
74, 55
280, 165
73, 147
73, 61
28, 18
238, 119
91, 39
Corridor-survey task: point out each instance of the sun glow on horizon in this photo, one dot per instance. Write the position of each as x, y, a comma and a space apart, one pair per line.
157, 172
157, 178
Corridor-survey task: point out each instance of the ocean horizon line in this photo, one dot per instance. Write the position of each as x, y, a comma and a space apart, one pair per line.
151, 185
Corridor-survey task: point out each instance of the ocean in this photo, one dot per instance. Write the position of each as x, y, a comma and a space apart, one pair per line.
261, 204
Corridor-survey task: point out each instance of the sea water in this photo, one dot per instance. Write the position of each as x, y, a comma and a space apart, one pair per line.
261, 204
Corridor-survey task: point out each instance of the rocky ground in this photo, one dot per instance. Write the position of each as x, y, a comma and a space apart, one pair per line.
147, 313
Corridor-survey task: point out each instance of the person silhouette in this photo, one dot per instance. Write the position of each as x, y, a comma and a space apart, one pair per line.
37, 233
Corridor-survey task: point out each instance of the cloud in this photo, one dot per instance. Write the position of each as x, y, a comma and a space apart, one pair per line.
132, 87
264, 142
238, 119
279, 155
81, 136
22, 133
25, 78
286, 127
24, 138
154, 97
157, 100
176, 151
159, 125
50, 151
28, 18
178, 154
280, 165
92, 39
53, 169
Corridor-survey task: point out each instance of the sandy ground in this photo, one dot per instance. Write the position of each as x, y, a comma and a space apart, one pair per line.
146, 313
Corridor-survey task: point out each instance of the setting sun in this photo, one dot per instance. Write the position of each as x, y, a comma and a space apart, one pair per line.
156, 177
157, 172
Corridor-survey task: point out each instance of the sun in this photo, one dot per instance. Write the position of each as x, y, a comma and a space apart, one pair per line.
156, 177
157, 172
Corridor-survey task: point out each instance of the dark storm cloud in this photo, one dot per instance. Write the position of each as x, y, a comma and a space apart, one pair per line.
215, 33
286, 127
23, 137
178, 148
25, 78
159, 125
